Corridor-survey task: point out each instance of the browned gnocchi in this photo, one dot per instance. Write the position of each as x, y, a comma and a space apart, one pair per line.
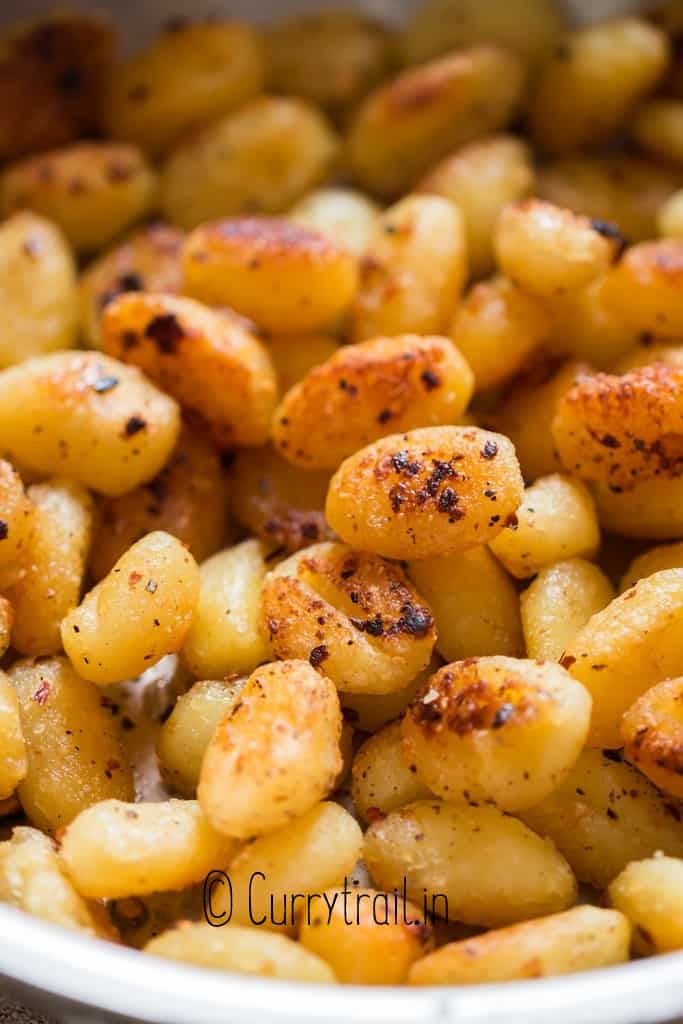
499, 729
219, 372
351, 614
366, 390
428, 493
86, 416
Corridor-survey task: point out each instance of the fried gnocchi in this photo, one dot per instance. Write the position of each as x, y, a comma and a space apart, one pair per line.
428, 493
366, 390
351, 614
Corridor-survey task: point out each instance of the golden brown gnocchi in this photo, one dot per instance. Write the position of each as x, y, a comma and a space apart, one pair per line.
275, 751
499, 729
468, 863
224, 636
139, 612
559, 602
37, 288
412, 270
216, 369
351, 614
74, 749
367, 390
259, 159
652, 731
88, 417
53, 565
650, 894
190, 74
428, 493
382, 780
241, 263
407, 124
93, 190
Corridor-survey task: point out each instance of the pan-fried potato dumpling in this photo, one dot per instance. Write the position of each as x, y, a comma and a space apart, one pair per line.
405, 125
626, 648
52, 76
16, 520
139, 612
54, 565
369, 712
13, 760
664, 556
117, 849
275, 753
331, 58
382, 780
314, 852
580, 939
224, 636
187, 76
366, 390
650, 894
186, 499
624, 190
549, 250
215, 368
93, 190
386, 936
348, 216
258, 159
651, 510
186, 733
644, 288
583, 327
499, 329
481, 178
658, 129
240, 950
429, 493
280, 503
412, 270
88, 417
588, 87
652, 731
559, 603
623, 429
604, 815
285, 278
38, 290
500, 729
351, 614
475, 604
491, 869
557, 519
73, 742
32, 879
148, 260
530, 28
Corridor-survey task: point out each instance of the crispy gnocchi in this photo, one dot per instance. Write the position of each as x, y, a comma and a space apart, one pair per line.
352, 614
367, 390
38, 288
88, 417
147, 602
93, 190
499, 729
218, 371
275, 751
427, 493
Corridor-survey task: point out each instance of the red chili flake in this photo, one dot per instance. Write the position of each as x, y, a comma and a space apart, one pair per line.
134, 578
374, 814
